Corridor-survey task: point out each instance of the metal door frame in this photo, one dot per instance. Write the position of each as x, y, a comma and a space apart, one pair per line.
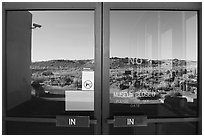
36, 6
102, 31
171, 6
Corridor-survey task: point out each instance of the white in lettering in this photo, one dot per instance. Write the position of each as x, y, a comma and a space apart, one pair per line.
72, 121
130, 121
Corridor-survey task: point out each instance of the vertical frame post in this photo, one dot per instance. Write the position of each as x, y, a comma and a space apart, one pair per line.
200, 70
98, 62
4, 79
106, 66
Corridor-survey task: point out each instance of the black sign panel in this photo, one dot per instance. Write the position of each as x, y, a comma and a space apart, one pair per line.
73, 121
130, 121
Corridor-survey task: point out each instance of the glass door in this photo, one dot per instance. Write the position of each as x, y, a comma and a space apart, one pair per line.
151, 68
101, 68
52, 69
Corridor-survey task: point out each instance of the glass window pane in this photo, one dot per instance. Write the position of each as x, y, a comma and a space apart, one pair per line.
153, 63
62, 65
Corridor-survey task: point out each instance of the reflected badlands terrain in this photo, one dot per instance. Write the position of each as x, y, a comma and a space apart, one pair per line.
132, 81
143, 81
52, 78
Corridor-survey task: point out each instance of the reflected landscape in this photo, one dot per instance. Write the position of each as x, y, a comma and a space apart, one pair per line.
55, 76
153, 63
62, 50
152, 81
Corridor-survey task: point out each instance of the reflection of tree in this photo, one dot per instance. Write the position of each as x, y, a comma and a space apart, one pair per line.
68, 80
47, 73
39, 90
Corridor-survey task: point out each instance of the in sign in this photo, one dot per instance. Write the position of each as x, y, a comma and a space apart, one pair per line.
72, 121
130, 121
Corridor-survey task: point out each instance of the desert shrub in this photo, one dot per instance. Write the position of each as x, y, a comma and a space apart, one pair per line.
68, 80
39, 80
39, 90
47, 73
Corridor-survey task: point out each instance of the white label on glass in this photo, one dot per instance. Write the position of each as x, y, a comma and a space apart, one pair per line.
87, 80
79, 100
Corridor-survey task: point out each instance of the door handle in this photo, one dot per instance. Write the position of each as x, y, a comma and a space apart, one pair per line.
74, 121
128, 121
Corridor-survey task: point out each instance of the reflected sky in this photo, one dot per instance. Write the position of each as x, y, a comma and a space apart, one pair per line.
64, 35
142, 34
153, 34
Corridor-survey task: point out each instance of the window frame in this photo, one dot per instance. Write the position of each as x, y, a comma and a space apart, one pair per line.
148, 6
47, 6
101, 33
